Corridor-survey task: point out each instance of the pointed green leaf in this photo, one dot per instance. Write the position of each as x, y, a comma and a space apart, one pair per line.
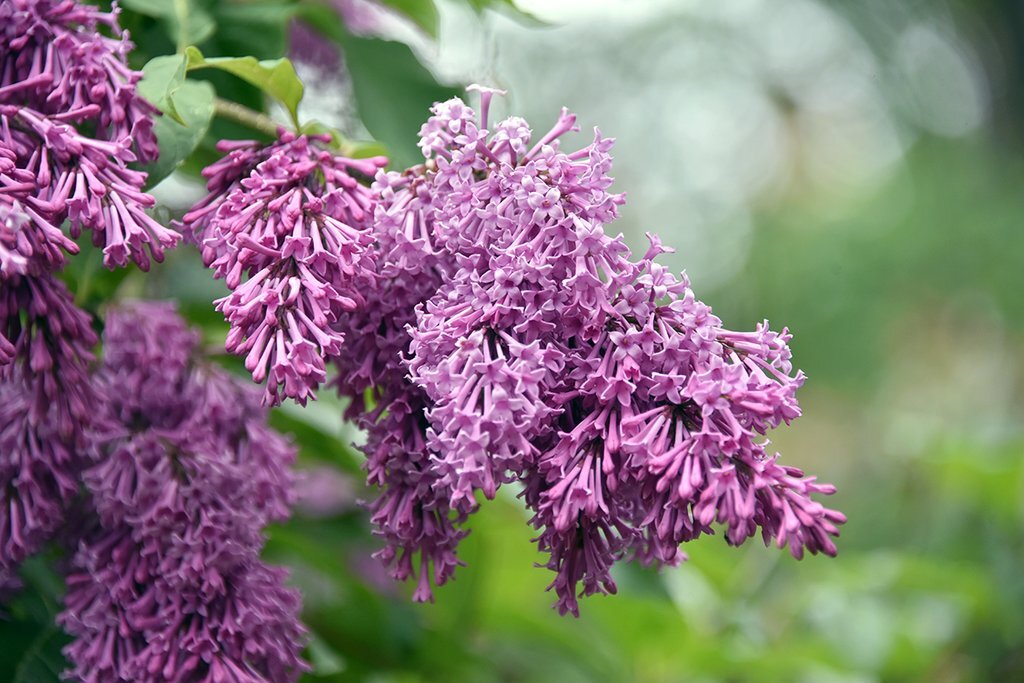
150, 8
364, 149
393, 93
325, 659
510, 7
42, 661
385, 73
275, 77
161, 78
423, 13
194, 100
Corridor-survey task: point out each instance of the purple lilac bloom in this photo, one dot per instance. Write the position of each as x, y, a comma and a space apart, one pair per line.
286, 226
46, 405
546, 355
413, 513
60, 77
54, 59
169, 585
87, 182
533, 257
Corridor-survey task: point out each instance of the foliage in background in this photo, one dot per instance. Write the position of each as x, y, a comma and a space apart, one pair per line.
928, 586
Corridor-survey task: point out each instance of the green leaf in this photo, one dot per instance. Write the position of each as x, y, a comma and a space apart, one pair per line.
275, 77
159, 9
43, 661
257, 29
509, 6
32, 642
364, 149
393, 93
187, 108
325, 659
187, 23
423, 13
194, 103
161, 78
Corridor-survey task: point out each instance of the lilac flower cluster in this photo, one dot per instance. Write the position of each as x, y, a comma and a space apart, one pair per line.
511, 339
168, 584
292, 220
70, 122
413, 512
46, 404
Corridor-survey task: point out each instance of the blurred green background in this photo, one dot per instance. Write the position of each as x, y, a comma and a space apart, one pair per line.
852, 170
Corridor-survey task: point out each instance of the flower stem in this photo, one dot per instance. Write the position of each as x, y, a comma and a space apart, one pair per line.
246, 116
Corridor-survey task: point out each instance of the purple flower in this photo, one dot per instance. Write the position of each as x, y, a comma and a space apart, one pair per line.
70, 123
47, 403
54, 59
488, 409
86, 181
129, 628
168, 585
292, 220
412, 513
30, 236
540, 352
534, 258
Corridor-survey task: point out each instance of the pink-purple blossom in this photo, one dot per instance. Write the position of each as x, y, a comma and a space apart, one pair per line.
286, 226
413, 514
512, 339
47, 404
71, 123
168, 584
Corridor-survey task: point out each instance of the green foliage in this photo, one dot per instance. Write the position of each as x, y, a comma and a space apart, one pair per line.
423, 13
509, 7
187, 22
32, 640
393, 91
187, 107
385, 71
275, 77
161, 80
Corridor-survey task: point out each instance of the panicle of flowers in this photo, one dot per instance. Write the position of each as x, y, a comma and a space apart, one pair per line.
632, 419
286, 226
526, 221
28, 239
70, 123
47, 403
168, 585
662, 436
412, 514
55, 59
